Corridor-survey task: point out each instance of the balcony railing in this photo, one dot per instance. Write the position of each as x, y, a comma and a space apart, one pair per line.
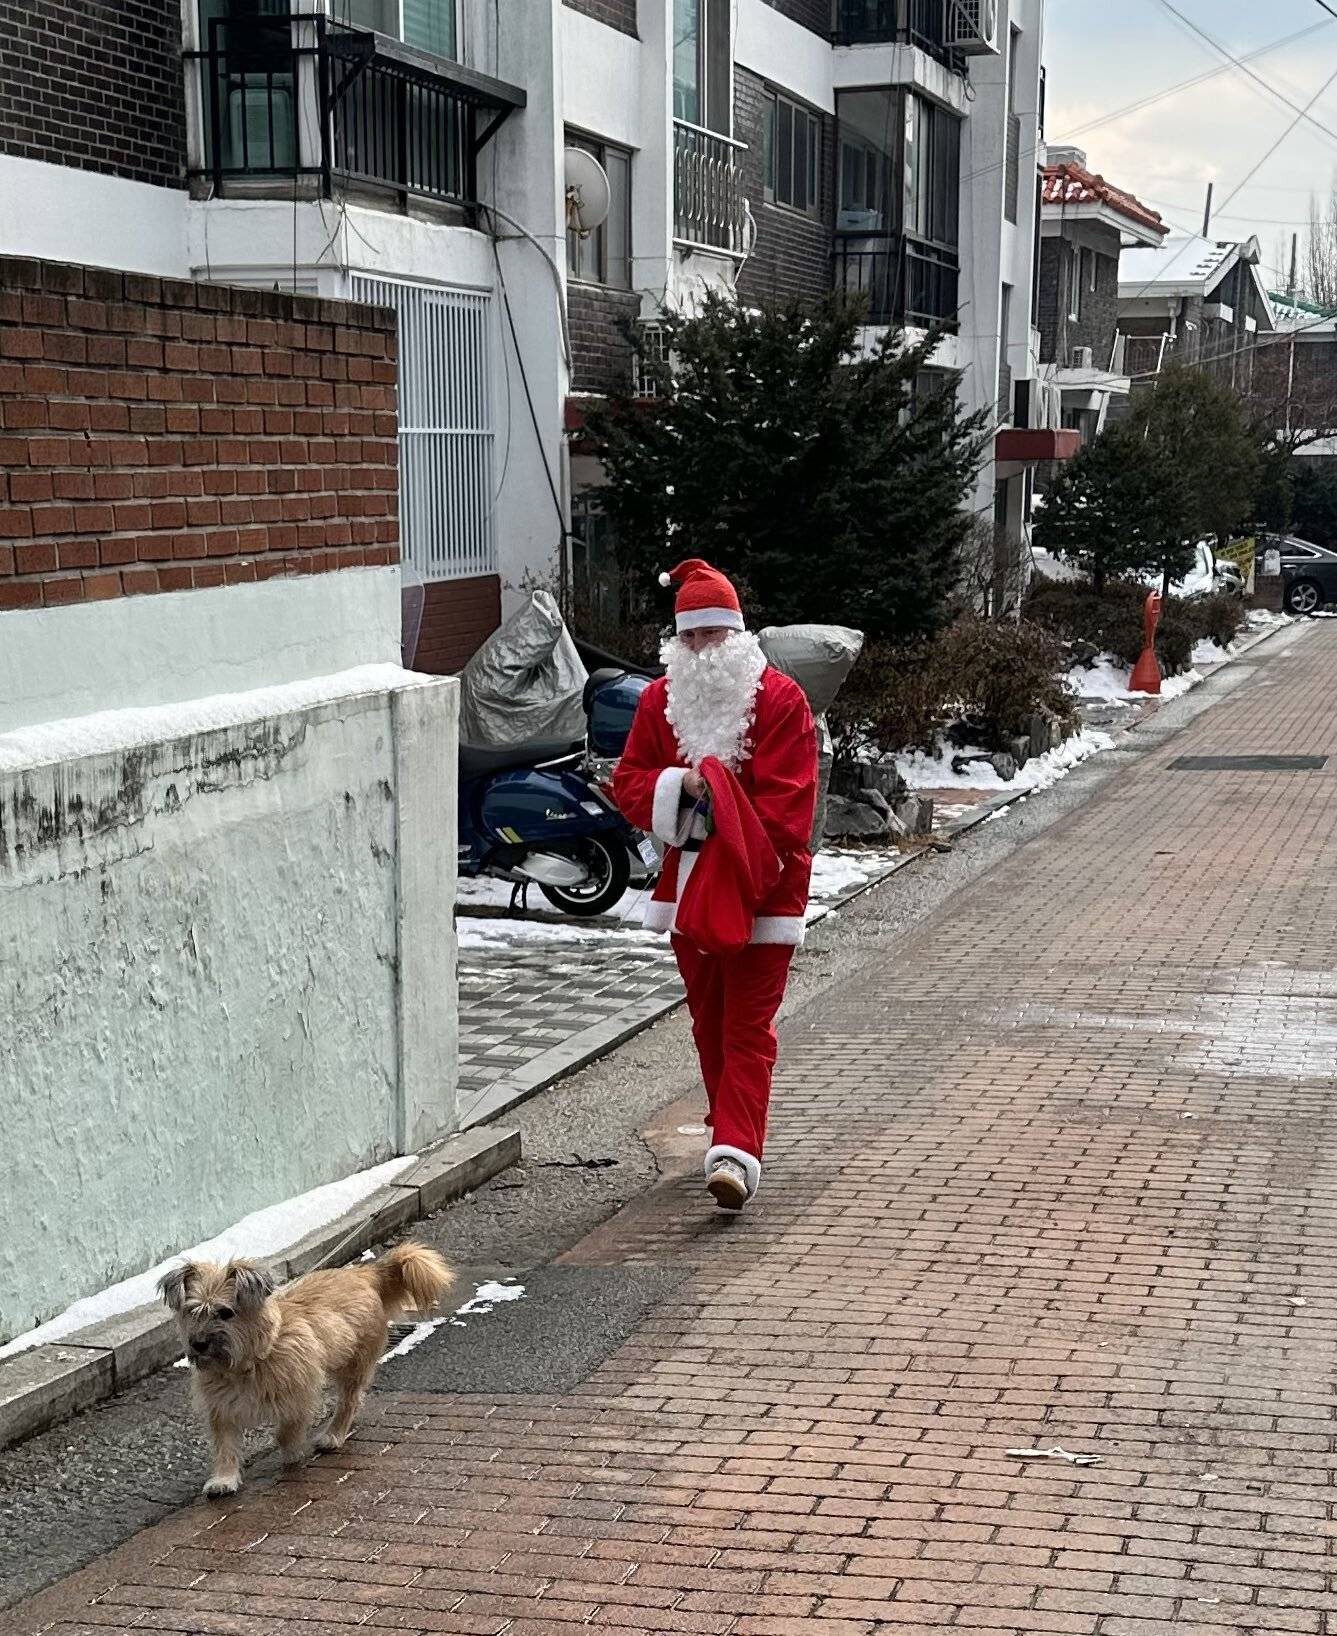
301, 96
904, 280
921, 23
709, 211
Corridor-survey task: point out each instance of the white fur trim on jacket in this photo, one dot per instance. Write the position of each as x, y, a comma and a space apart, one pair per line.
751, 1166
667, 818
700, 619
788, 930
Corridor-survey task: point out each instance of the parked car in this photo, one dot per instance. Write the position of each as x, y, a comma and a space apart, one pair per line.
1308, 571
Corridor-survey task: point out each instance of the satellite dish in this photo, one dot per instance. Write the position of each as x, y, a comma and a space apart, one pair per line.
588, 195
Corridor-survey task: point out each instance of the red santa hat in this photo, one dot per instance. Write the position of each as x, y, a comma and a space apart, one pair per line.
706, 599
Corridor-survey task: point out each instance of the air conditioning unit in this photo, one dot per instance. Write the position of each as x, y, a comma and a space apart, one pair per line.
1083, 358
972, 26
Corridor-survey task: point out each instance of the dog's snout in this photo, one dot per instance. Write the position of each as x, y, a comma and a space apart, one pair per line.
199, 1347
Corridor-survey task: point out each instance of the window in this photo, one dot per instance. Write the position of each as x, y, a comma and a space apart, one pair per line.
1074, 284
927, 201
430, 25
932, 172
445, 426
702, 58
1092, 270
867, 150
792, 155
604, 256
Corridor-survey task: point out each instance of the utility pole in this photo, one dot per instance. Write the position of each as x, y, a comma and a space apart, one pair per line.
1295, 251
1207, 213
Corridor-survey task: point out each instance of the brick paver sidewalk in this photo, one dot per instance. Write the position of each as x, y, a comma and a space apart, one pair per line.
1060, 1172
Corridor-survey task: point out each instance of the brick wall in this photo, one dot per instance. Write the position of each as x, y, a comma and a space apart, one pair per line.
600, 350
619, 14
158, 435
813, 14
1095, 328
1050, 297
458, 616
1311, 384
96, 84
792, 259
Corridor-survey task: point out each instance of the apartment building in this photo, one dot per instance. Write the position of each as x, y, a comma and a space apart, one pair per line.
887, 147
411, 154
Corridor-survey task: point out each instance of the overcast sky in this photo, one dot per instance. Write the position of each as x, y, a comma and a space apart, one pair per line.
1102, 55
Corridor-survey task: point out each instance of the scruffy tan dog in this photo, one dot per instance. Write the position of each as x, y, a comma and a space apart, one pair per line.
263, 1359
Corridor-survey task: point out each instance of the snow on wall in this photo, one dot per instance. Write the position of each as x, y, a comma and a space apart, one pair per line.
229, 977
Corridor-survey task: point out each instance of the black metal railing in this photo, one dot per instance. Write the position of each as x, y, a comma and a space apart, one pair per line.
923, 23
300, 95
708, 204
903, 280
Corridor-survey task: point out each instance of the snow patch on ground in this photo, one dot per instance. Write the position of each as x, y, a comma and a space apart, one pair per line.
487, 1297
506, 934
263, 1232
836, 872
1108, 678
108, 731
925, 772
482, 892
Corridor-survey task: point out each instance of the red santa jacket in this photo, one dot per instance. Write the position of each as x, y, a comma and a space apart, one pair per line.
778, 776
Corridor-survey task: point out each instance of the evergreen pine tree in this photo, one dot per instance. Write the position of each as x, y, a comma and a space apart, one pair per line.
802, 463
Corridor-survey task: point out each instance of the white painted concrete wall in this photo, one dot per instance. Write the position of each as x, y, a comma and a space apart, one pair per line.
57, 213
229, 973
154, 650
785, 53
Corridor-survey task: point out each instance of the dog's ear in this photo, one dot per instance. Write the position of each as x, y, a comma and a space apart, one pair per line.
174, 1286
251, 1286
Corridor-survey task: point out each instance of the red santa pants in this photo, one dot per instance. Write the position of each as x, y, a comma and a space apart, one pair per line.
733, 999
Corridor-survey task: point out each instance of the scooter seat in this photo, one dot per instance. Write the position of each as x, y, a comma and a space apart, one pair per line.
478, 761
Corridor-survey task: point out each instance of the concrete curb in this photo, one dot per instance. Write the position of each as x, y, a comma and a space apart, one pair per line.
48, 1383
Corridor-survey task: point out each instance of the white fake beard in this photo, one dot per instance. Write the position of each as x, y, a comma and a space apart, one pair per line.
712, 697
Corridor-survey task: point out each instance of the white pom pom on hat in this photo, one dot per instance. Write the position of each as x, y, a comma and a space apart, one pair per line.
666, 580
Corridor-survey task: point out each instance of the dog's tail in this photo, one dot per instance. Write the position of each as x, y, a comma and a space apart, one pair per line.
412, 1278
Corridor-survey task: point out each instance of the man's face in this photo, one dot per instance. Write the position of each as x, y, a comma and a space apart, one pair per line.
709, 636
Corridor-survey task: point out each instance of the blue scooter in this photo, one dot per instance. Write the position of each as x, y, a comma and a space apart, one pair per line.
538, 813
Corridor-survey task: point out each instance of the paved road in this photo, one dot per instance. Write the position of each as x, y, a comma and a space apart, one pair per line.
987, 1221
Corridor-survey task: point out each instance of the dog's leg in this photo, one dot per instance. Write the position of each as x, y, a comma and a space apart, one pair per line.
353, 1383
225, 1478
291, 1439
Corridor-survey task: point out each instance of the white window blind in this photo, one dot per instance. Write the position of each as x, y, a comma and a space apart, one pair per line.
445, 426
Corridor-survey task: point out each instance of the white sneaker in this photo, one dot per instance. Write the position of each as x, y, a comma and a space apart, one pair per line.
727, 1184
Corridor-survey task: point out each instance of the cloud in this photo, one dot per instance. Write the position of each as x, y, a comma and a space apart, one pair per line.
1217, 131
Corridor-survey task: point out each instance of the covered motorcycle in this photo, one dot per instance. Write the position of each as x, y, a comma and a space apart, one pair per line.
525, 683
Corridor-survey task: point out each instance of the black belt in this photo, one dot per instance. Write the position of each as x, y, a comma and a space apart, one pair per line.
692, 845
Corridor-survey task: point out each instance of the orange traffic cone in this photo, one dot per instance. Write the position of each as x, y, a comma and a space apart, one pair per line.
1146, 677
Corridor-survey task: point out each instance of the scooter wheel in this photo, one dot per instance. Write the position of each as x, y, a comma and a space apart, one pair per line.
610, 873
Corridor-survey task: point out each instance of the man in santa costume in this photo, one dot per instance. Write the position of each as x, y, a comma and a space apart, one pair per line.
721, 706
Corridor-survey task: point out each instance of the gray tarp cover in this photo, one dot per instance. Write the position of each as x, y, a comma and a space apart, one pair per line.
525, 682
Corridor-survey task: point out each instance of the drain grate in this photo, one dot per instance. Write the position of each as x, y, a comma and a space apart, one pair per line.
1248, 764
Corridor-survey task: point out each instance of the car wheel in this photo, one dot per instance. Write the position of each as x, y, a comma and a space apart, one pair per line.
1302, 596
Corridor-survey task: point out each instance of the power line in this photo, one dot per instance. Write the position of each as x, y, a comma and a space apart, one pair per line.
1326, 7
1236, 62
1197, 79
1240, 186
